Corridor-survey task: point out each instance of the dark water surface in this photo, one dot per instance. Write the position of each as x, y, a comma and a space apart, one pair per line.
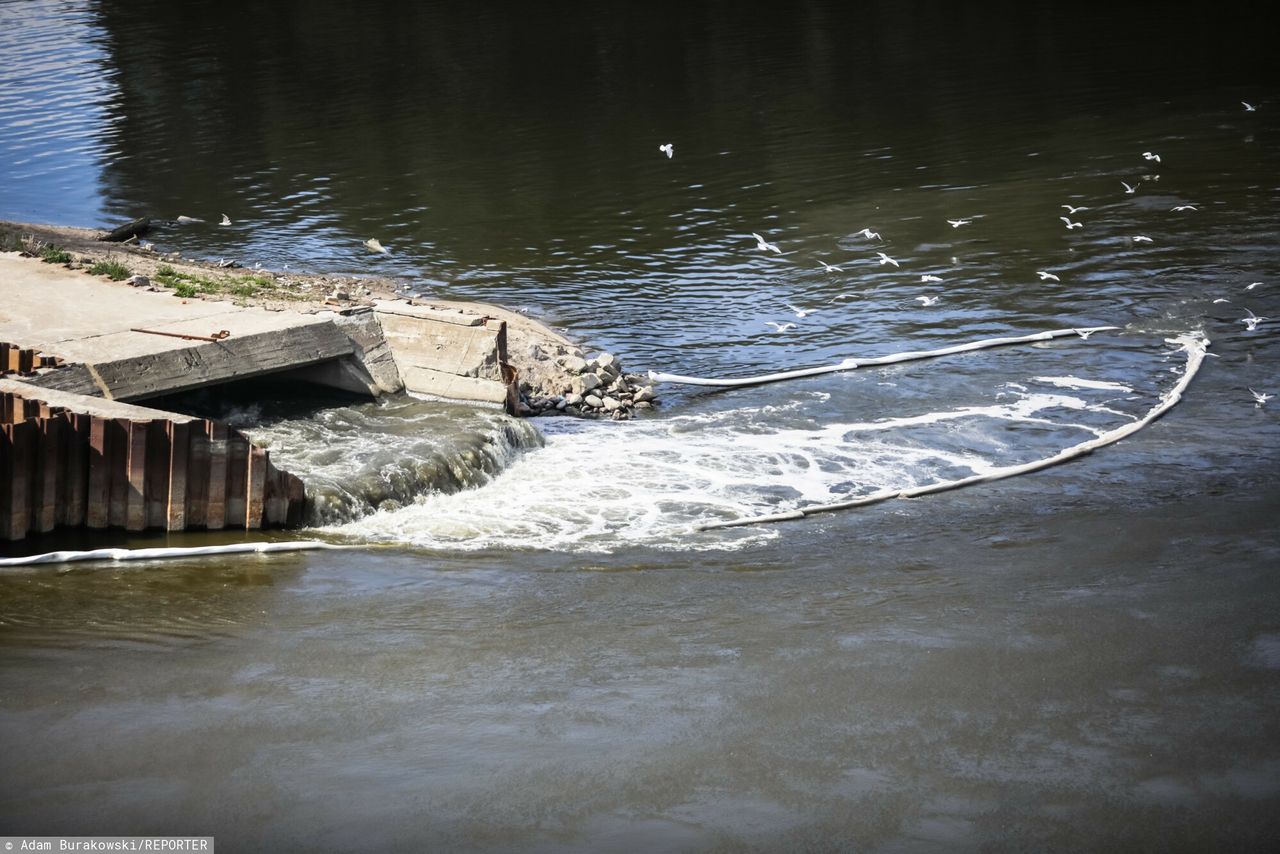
536, 652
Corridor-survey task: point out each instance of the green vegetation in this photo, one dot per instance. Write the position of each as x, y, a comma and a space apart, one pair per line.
113, 270
192, 284
54, 255
11, 241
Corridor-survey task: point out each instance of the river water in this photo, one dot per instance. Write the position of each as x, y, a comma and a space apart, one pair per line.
533, 648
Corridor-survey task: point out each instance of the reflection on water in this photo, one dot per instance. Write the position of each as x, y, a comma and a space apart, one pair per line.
547, 659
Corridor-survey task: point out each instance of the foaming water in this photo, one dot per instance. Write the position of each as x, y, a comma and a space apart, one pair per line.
379, 456
601, 486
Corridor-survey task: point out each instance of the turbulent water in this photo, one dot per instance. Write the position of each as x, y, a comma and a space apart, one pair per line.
533, 646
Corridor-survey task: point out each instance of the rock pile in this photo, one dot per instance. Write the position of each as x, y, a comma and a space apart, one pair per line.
592, 388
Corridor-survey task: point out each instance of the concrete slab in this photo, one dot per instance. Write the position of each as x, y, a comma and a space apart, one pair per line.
94, 322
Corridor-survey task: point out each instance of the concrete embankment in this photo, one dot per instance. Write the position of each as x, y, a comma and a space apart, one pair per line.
94, 340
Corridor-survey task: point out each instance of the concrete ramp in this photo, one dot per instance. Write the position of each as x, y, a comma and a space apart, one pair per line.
126, 343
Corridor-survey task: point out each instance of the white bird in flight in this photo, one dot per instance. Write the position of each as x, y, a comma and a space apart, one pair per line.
956, 223
1259, 397
1073, 210
1184, 208
885, 259
869, 234
780, 327
1070, 224
1148, 155
1142, 238
923, 300
764, 246
1249, 108
373, 245
830, 268
226, 220
1132, 189
1252, 285
1046, 276
1085, 333
1251, 322
668, 149
800, 312
1221, 300
928, 278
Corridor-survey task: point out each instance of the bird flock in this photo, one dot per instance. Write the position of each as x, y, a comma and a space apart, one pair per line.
1251, 320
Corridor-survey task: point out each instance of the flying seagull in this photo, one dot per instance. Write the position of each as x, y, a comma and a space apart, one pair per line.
668, 149
1070, 224
830, 268
928, 278
799, 312
226, 220
1141, 238
1260, 397
1184, 208
1071, 209
1249, 108
1047, 276
780, 327
927, 300
1132, 189
765, 247
956, 223
869, 234
1147, 155
1251, 322
885, 259
1252, 285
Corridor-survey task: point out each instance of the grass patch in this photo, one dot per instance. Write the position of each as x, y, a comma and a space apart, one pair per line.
113, 270
192, 284
54, 255
11, 241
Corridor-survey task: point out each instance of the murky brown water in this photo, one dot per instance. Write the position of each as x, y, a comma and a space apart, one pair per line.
549, 659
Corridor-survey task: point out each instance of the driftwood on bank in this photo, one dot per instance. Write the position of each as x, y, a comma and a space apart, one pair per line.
137, 228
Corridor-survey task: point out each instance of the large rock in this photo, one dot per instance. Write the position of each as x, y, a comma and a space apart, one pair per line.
573, 364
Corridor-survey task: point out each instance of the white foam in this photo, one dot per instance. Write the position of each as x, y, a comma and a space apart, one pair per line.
1076, 382
600, 486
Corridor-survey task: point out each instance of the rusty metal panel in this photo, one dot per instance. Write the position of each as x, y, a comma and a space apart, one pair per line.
136, 480
118, 467
198, 474
44, 481
179, 444
156, 479
237, 478
256, 488
75, 473
216, 504
22, 441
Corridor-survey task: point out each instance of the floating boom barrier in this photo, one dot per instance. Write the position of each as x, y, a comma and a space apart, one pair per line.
1195, 345
852, 364
164, 553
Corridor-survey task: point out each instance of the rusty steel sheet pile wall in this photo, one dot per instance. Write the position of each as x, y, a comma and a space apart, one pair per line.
63, 468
